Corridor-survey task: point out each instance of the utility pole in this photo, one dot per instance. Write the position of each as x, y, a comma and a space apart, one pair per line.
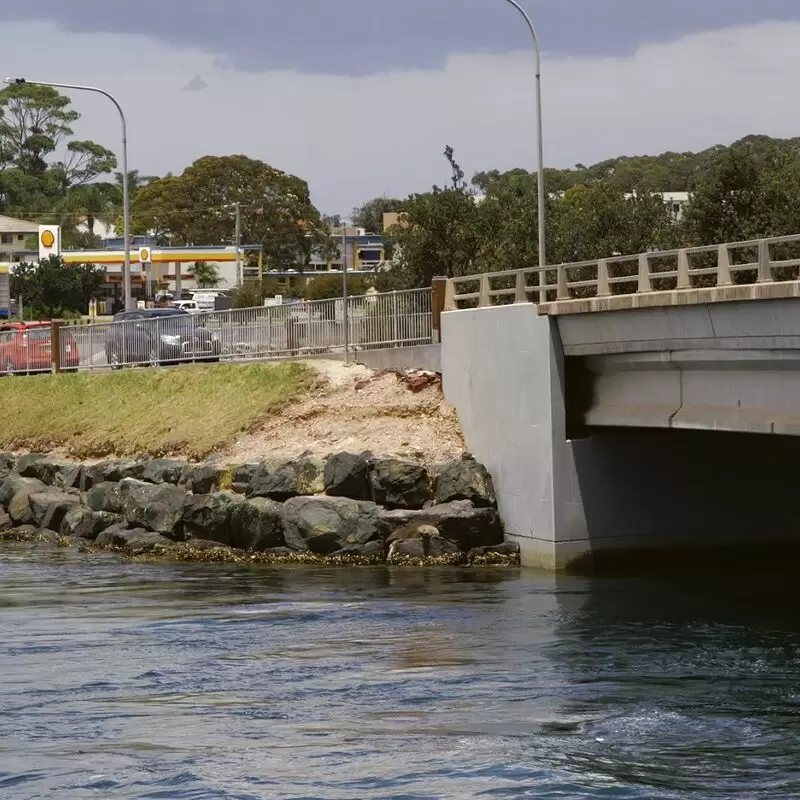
345, 318
238, 237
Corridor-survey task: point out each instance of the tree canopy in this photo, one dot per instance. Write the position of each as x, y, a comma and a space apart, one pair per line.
198, 207
748, 190
53, 289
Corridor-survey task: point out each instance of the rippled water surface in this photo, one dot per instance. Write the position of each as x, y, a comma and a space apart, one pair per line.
125, 680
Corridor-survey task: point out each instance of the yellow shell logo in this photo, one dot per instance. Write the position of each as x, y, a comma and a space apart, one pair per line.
48, 238
144, 255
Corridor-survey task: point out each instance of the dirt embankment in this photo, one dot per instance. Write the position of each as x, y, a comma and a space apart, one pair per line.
355, 409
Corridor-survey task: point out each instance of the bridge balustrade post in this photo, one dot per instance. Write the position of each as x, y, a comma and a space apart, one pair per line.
520, 290
562, 284
764, 263
485, 298
684, 279
645, 283
723, 266
450, 296
603, 284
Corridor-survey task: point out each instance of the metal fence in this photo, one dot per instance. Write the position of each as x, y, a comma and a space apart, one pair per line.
394, 319
775, 259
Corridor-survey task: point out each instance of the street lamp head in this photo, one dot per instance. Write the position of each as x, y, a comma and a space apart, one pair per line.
14, 81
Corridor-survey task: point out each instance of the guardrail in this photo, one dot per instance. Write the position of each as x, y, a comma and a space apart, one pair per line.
755, 261
393, 319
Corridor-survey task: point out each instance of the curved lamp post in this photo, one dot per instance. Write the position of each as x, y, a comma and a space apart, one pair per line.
540, 146
126, 211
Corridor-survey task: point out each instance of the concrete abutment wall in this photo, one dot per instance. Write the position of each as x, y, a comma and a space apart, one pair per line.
569, 502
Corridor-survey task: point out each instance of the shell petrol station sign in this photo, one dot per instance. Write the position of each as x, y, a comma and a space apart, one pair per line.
145, 256
49, 241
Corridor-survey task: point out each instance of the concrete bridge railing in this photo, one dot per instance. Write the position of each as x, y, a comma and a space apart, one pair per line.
754, 262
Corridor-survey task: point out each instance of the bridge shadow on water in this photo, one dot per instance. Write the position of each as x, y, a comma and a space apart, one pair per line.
687, 498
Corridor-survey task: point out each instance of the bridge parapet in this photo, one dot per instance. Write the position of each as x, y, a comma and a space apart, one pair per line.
674, 276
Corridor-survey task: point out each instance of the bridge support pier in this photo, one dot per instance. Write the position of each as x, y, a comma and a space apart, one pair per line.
571, 503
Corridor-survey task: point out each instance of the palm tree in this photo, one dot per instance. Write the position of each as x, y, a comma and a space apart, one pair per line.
206, 275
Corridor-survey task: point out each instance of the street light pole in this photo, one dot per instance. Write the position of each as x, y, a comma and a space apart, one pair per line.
126, 211
345, 316
539, 135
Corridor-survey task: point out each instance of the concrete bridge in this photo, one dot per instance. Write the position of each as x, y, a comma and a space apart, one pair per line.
641, 402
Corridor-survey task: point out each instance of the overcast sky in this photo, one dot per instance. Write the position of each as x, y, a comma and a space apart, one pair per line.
360, 97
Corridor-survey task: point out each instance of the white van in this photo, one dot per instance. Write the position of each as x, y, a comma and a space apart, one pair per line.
205, 300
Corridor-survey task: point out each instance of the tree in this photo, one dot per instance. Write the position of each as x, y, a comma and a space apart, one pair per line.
197, 208
54, 289
329, 287
33, 120
370, 215
206, 275
441, 235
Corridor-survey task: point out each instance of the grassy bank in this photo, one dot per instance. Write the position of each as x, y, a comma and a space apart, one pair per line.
189, 411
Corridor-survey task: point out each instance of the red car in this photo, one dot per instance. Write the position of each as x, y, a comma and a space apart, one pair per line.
25, 347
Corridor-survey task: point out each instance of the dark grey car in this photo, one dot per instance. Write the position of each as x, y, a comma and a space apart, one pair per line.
159, 336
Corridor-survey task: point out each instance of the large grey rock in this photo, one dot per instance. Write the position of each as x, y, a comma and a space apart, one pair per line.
72, 476
242, 475
163, 470
347, 475
399, 484
373, 550
257, 524
106, 496
155, 507
459, 521
19, 507
13, 483
83, 523
281, 481
49, 508
464, 479
7, 464
208, 516
5, 521
326, 524
49, 470
202, 478
133, 540
112, 471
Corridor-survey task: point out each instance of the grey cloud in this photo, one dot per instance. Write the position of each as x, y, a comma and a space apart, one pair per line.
196, 84
360, 37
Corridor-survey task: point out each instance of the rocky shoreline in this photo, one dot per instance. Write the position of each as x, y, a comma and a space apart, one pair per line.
357, 509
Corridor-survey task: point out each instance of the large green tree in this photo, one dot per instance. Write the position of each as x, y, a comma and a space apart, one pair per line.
43, 171
197, 208
54, 289
370, 215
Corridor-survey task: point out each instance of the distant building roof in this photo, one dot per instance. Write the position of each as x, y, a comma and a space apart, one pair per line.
12, 225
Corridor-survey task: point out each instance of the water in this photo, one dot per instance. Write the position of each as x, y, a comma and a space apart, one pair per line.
127, 680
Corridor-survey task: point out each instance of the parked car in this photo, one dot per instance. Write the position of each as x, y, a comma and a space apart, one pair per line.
187, 305
25, 347
159, 336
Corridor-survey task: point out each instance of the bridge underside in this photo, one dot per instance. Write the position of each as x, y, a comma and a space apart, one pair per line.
749, 391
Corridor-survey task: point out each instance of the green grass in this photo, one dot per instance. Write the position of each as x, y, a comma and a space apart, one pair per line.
189, 411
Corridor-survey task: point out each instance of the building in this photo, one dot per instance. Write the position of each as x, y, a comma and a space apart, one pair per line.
364, 252
13, 233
